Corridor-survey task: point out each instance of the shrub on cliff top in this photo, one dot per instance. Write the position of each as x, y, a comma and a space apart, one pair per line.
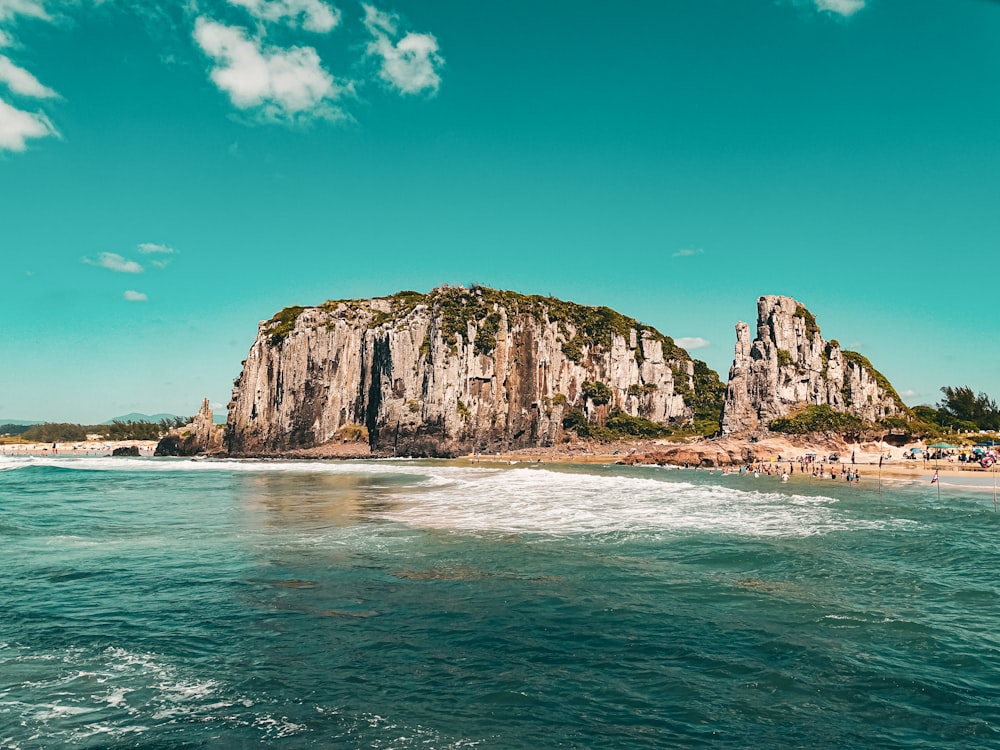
283, 323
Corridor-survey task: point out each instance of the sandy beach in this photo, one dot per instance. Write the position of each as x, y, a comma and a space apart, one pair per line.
776, 451
89, 448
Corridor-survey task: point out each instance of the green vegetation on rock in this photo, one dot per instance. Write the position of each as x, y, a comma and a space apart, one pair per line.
811, 326
821, 418
619, 426
583, 327
597, 392
283, 323
880, 379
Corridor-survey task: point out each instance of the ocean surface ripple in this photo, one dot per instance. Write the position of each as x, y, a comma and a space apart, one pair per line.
402, 604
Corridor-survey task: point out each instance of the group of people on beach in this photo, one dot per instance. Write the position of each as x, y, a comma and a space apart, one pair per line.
777, 468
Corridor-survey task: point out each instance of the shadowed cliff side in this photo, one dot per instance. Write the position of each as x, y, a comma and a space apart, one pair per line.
452, 371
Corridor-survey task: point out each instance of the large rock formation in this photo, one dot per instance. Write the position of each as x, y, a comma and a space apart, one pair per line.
789, 366
201, 435
451, 371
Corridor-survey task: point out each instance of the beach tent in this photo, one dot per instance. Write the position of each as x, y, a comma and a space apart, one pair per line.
943, 446
916, 450
989, 443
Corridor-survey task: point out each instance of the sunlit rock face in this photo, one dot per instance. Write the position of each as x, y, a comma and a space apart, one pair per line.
789, 366
449, 372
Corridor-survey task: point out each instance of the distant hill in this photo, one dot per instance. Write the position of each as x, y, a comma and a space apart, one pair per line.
19, 422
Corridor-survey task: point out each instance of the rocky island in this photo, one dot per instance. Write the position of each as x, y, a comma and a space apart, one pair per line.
454, 371
462, 371
789, 366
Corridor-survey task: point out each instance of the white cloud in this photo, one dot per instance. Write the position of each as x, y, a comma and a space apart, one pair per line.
32, 8
908, 393
687, 252
133, 296
411, 64
151, 247
311, 15
16, 126
21, 81
841, 7
284, 84
692, 342
5, 41
160, 263
114, 262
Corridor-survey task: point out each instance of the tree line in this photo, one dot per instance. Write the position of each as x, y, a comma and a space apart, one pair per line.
68, 432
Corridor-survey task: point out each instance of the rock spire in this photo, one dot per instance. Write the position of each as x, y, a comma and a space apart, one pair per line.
789, 366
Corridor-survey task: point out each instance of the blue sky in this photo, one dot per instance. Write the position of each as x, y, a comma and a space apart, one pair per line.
173, 172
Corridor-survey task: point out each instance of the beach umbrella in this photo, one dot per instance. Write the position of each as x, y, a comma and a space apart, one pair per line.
942, 445
916, 450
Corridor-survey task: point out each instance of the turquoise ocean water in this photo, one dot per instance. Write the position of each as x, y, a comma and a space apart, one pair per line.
156, 603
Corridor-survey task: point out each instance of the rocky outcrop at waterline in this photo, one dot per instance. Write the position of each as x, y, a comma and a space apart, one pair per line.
789, 366
200, 436
452, 371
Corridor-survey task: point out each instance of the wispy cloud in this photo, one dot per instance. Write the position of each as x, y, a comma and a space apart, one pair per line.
410, 65
908, 393
32, 8
692, 342
151, 247
17, 126
133, 296
114, 262
311, 15
687, 252
20, 81
841, 7
281, 84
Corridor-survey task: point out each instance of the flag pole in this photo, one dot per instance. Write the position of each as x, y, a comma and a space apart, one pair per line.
880, 473
994, 468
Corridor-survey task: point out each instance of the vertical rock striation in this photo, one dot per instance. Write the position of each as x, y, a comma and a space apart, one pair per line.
789, 366
450, 371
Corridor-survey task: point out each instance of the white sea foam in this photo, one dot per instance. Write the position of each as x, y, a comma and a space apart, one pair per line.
535, 500
368, 467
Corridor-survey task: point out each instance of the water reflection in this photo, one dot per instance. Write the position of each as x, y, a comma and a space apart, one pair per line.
286, 499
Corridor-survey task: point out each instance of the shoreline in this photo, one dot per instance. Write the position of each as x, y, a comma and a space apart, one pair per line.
81, 448
774, 454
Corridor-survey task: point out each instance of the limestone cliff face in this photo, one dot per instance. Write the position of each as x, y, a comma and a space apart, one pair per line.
789, 366
452, 371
